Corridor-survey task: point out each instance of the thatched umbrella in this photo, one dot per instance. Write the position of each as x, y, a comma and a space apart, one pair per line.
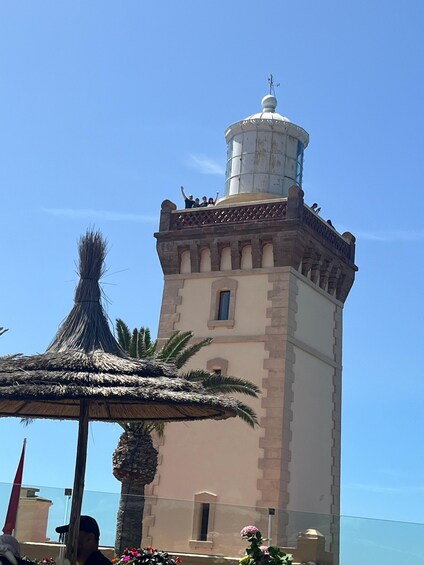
85, 375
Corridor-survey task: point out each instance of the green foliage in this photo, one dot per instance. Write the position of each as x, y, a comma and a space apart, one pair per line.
219, 384
178, 350
214, 382
145, 556
247, 414
145, 427
124, 335
259, 554
137, 344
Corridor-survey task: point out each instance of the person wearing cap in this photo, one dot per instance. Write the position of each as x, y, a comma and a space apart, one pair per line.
88, 552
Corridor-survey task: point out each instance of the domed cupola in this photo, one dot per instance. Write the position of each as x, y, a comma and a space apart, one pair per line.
264, 156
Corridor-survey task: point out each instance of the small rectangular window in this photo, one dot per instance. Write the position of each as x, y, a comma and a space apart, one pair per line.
204, 521
217, 371
223, 302
224, 305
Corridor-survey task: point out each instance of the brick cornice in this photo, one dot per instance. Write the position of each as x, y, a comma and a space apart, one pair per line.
300, 238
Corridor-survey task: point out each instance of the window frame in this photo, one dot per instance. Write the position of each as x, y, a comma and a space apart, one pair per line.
218, 286
224, 305
201, 500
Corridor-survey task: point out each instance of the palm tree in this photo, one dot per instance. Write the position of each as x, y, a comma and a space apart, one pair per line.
135, 459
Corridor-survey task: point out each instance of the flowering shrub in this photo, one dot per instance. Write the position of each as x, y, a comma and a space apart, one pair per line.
260, 554
145, 556
249, 531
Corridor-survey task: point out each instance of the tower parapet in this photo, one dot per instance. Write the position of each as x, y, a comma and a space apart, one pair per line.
299, 237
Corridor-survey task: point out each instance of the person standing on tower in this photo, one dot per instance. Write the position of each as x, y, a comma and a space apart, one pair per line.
189, 202
212, 201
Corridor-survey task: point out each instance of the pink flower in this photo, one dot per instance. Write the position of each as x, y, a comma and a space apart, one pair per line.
248, 531
126, 558
264, 549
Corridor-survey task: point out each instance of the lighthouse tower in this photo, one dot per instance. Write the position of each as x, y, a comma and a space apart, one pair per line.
264, 156
266, 277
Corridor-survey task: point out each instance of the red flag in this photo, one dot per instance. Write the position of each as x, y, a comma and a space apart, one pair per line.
12, 510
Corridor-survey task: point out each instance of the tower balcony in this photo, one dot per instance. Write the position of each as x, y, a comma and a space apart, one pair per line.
300, 238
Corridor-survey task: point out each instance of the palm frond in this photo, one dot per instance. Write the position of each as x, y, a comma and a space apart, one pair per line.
152, 348
174, 346
146, 347
26, 421
196, 375
133, 343
138, 343
147, 427
215, 383
158, 427
143, 339
147, 338
124, 334
3, 330
247, 414
181, 359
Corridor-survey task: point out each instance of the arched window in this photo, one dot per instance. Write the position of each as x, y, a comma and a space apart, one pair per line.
268, 255
185, 262
225, 263
205, 260
246, 257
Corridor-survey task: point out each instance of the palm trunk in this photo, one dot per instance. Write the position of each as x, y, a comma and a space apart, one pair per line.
135, 462
130, 517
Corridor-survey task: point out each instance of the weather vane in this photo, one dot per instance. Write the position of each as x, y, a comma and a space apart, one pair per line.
272, 85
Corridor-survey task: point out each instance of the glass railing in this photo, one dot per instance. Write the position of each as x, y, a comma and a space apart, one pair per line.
208, 528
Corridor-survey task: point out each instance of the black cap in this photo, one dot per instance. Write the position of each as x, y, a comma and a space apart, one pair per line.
87, 524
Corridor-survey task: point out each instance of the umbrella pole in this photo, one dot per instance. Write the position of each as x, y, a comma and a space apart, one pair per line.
78, 490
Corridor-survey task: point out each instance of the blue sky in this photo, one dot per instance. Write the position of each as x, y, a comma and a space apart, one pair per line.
106, 108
